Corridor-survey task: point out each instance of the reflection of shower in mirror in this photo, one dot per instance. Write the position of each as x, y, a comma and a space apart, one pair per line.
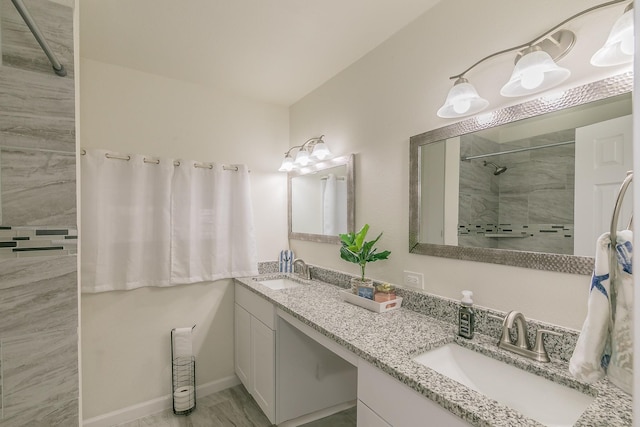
334, 204
499, 169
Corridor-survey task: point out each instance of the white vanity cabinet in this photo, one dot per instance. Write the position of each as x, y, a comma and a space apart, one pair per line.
368, 418
385, 401
255, 348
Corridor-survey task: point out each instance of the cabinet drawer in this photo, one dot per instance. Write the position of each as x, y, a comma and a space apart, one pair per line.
259, 307
398, 404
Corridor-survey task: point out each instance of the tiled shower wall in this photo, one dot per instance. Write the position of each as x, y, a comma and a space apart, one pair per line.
533, 198
38, 265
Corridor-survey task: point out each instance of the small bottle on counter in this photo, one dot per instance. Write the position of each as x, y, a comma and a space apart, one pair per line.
466, 315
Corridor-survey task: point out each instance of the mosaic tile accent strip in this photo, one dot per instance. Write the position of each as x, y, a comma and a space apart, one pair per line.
37, 241
515, 230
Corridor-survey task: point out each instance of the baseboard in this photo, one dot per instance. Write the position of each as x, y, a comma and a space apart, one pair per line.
154, 406
314, 416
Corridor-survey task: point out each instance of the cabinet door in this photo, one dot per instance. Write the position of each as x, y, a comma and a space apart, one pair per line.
242, 346
368, 418
263, 367
398, 404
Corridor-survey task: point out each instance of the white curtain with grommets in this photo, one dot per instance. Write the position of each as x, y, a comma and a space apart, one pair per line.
161, 222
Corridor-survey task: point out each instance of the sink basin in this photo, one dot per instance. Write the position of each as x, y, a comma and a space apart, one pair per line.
545, 401
277, 284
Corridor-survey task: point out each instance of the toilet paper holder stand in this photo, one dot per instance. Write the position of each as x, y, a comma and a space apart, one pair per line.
183, 381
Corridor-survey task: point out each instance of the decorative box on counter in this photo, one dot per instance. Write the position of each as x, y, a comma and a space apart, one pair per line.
378, 307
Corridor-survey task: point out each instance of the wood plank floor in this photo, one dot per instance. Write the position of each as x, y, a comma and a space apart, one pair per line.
233, 407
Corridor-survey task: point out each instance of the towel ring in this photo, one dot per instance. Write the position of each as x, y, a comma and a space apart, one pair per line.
618, 207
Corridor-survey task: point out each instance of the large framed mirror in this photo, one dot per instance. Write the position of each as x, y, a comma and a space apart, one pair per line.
531, 185
322, 200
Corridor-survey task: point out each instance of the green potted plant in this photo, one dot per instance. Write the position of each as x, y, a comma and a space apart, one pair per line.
356, 250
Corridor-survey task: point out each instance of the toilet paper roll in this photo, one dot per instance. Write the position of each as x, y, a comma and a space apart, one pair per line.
183, 406
182, 345
183, 398
183, 391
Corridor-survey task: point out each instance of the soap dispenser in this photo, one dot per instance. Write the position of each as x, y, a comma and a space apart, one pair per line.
466, 315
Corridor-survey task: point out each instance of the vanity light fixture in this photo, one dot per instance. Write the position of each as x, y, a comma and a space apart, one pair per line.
618, 49
535, 64
462, 100
312, 150
535, 71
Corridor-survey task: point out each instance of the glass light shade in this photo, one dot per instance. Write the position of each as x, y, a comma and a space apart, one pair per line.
618, 49
462, 100
535, 72
320, 151
302, 158
287, 164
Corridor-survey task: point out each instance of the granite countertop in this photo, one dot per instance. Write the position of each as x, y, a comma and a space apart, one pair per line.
390, 340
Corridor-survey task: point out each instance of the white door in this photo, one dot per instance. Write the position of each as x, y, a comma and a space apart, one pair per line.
603, 157
263, 378
242, 345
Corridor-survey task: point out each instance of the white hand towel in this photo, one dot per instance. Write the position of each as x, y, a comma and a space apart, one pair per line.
589, 360
620, 370
182, 346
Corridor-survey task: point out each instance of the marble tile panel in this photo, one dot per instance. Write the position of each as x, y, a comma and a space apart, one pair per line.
19, 47
479, 145
36, 94
571, 179
484, 208
551, 206
464, 208
562, 153
37, 188
475, 177
37, 294
40, 379
28, 131
513, 159
514, 209
551, 243
516, 179
476, 241
552, 138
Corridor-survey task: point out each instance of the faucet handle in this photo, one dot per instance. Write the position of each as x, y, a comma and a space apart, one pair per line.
504, 336
538, 348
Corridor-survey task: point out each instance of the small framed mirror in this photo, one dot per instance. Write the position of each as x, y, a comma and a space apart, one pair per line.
322, 200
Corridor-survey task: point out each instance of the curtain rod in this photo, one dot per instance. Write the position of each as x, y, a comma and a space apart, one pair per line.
517, 150
58, 68
157, 161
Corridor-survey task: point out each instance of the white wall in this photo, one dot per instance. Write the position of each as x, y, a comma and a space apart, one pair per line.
125, 335
373, 107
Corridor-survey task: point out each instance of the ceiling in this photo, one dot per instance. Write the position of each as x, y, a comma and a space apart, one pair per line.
276, 51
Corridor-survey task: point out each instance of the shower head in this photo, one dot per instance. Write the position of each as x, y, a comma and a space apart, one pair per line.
499, 169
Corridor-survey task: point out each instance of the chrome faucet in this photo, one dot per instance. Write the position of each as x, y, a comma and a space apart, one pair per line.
305, 272
521, 346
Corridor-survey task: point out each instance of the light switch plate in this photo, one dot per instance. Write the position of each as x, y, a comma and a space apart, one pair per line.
413, 279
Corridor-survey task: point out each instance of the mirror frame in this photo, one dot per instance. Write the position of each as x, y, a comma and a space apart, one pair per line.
347, 161
601, 89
